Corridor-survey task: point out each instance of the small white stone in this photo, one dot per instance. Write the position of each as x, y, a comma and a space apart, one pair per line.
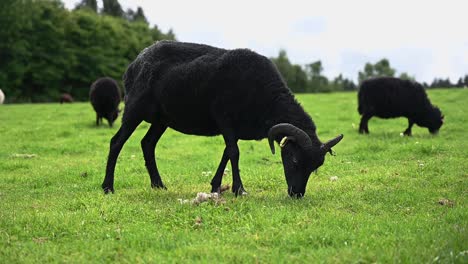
333, 178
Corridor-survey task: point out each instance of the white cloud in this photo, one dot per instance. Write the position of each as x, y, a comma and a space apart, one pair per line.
424, 38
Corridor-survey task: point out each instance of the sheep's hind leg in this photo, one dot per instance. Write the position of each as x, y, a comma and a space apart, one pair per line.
148, 145
363, 126
128, 126
218, 177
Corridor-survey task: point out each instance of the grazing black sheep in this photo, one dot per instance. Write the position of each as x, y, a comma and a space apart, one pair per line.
388, 97
202, 90
66, 98
105, 98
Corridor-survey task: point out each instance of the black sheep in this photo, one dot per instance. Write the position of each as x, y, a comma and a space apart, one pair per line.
388, 97
66, 98
105, 98
202, 90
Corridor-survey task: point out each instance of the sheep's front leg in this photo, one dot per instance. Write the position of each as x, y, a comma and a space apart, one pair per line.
218, 177
233, 154
148, 145
408, 130
116, 144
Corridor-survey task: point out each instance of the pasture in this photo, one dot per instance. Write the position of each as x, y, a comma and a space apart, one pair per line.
396, 199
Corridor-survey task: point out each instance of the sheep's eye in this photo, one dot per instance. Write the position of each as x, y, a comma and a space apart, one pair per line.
294, 159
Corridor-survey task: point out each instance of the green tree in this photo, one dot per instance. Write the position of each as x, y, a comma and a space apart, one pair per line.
382, 68
441, 83
104, 46
463, 81
299, 81
379, 69
47, 44
316, 81
34, 57
136, 16
46, 49
14, 47
112, 8
342, 84
293, 75
89, 4
406, 76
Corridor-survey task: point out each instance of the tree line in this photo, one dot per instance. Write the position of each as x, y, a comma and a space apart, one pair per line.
310, 79
46, 50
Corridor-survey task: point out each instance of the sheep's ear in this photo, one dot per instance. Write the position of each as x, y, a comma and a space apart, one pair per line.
329, 144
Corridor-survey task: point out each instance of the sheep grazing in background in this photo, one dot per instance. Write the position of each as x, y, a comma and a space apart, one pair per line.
105, 98
66, 98
2, 97
202, 90
388, 97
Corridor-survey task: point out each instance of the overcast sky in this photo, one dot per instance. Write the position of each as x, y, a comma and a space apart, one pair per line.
425, 38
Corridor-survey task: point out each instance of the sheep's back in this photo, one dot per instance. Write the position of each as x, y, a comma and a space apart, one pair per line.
391, 97
192, 83
105, 95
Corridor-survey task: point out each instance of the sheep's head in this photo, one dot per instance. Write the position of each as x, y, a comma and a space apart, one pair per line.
113, 116
435, 120
300, 157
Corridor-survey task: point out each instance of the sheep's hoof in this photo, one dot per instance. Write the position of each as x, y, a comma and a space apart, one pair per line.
108, 190
406, 133
220, 189
158, 186
216, 190
240, 191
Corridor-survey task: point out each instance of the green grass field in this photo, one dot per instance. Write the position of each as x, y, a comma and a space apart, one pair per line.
397, 199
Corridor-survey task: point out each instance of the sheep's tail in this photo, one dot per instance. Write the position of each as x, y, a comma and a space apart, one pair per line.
362, 97
360, 103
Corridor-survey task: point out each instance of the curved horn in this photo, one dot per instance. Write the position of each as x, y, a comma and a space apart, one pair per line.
329, 144
286, 129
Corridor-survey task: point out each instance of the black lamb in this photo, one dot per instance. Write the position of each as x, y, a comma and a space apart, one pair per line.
202, 90
66, 98
389, 97
105, 98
